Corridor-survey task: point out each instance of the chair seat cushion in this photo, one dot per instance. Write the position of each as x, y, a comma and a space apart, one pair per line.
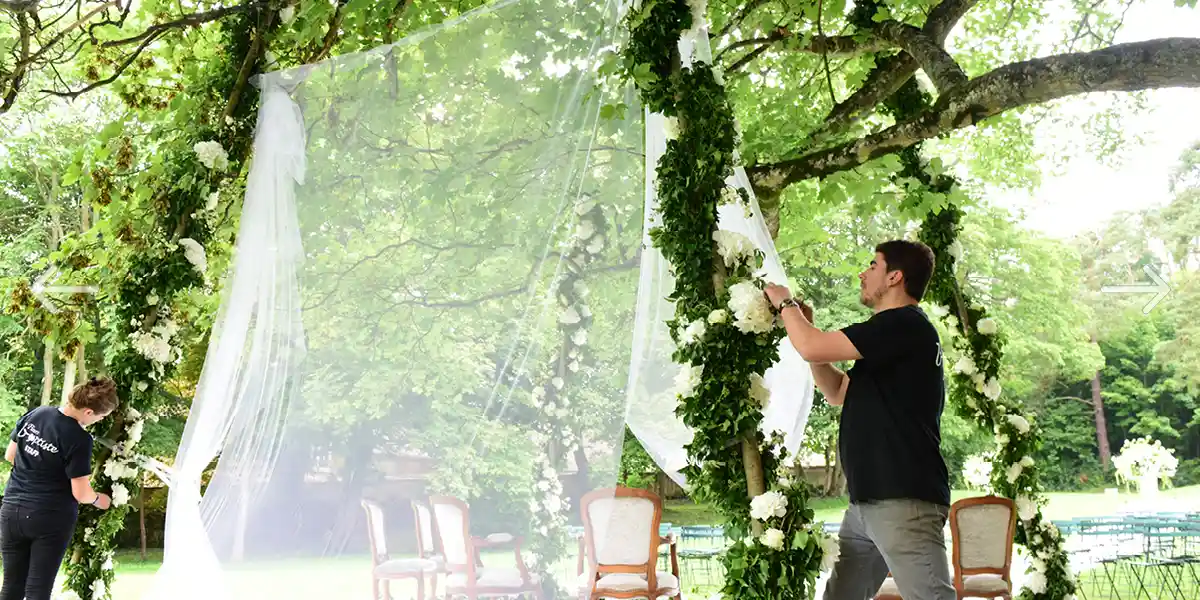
500, 538
491, 578
632, 582
973, 584
405, 566
986, 584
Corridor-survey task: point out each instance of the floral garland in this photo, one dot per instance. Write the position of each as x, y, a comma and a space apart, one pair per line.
725, 331
549, 507
977, 395
151, 269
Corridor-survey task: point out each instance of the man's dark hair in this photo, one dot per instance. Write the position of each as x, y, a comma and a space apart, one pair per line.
913, 259
98, 394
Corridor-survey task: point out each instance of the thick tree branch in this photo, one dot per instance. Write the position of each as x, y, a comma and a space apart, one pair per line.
827, 45
1169, 62
192, 20
937, 63
889, 74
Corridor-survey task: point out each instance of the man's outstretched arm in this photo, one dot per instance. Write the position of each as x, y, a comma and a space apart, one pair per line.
814, 345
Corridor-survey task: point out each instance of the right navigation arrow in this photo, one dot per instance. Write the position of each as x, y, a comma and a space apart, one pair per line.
1159, 287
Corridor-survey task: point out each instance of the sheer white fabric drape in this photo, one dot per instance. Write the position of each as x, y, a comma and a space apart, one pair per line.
651, 402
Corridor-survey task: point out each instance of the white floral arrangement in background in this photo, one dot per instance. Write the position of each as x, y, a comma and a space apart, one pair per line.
1142, 457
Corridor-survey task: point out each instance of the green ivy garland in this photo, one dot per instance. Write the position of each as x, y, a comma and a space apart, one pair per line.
976, 394
146, 274
724, 341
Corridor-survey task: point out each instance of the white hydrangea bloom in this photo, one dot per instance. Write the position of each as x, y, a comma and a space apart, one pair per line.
134, 435
750, 307
1021, 424
759, 391
120, 495
991, 389
733, 247
987, 326
831, 549
195, 254
718, 316
570, 316
965, 365
767, 505
671, 128
287, 14
773, 539
580, 337
1027, 461
212, 155
99, 590
955, 249
1027, 509
1036, 582
693, 333
1014, 472
688, 379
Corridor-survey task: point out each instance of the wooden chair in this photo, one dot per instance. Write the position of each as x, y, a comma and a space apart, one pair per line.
467, 577
428, 546
981, 534
621, 538
982, 531
384, 569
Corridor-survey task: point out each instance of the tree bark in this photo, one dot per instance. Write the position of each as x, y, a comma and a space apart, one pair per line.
142, 520
1101, 423
756, 484
48, 373
68, 381
1169, 62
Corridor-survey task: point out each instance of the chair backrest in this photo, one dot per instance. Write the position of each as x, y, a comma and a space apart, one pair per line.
426, 538
451, 518
621, 528
981, 530
376, 531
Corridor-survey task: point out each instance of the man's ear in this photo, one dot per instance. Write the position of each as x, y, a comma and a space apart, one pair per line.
895, 277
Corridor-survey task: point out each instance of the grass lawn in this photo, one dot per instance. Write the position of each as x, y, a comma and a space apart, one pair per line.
348, 577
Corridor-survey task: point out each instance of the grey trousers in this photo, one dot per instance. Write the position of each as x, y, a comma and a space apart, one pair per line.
902, 536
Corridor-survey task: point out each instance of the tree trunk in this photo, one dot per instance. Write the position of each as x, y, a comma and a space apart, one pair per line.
756, 484
1101, 423
81, 370
48, 374
68, 384
142, 520
830, 473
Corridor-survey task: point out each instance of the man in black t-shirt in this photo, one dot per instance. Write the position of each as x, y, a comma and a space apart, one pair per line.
890, 435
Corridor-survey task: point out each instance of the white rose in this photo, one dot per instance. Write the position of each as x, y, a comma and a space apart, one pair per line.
1019, 423
1026, 508
99, 590
287, 14
991, 389
759, 391
213, 199
733, 247
135, 432
965, 365
987, 326
751, 309
120, 495
579, 338
773, 539
767, 505
955, 249
1027, 461
195, 254
142, 386
718, 316
693, 333
688, 378
557, 382
108, 563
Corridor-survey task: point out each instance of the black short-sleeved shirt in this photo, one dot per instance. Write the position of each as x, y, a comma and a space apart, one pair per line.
52, 449
890, 435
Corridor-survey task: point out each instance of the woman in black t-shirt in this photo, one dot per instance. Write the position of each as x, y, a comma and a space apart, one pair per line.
51, 456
